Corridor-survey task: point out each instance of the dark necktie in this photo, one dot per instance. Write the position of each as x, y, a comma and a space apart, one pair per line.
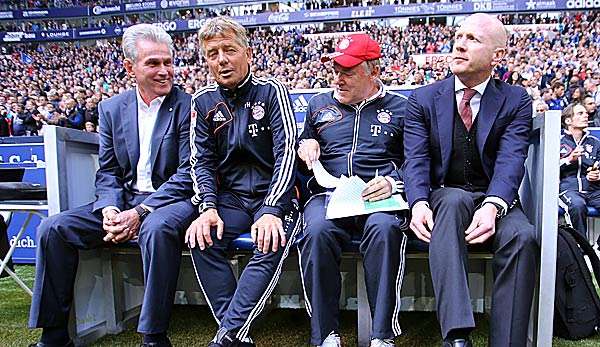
464, 109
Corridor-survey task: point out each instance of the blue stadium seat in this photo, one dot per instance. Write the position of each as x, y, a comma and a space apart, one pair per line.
594, 131
592, 212
244, 243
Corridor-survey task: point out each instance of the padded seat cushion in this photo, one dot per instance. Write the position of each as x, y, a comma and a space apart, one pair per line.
22, 191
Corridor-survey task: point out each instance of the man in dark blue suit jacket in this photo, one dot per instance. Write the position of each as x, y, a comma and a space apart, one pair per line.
143, 190
466, 141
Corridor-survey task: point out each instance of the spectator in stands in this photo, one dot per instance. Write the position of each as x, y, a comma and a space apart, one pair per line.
328, 136
90, 127
465, 140
558, 101
539, 108
74, 117
18, 120
32, 119
591, 88
576, 96
5, 122
591, 108
579, 168
243, 166
91, 111
142, 188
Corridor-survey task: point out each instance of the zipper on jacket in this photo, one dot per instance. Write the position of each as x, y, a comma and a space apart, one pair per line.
579, 162
354, 138
358, 110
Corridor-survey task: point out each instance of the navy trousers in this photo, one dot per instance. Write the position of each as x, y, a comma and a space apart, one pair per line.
514, 265
61, 236
382, 247
575, 205
236, 304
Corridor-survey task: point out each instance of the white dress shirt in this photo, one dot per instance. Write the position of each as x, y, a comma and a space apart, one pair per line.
146, 116
459, 90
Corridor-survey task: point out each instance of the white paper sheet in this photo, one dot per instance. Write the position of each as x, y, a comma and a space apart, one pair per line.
346, 200
324, 178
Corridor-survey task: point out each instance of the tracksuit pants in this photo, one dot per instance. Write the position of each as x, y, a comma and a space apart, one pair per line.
382, 247
575, 205
236, 304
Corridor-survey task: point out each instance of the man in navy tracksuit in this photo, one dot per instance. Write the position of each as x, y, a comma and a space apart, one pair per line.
243, 142
579, 168
354, 130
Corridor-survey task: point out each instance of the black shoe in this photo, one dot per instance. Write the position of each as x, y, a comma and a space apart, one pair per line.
225, 338
41, 344
457, 343
247, 342
157, 344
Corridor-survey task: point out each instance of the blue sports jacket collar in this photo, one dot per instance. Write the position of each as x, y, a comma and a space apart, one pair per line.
241, 89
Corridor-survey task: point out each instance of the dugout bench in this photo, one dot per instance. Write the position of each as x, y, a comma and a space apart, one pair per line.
109, 283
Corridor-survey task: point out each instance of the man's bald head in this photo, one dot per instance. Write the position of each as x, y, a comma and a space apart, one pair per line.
479, 45
489, 26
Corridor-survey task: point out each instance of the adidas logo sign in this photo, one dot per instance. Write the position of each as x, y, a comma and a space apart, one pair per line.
219, 117
300, 104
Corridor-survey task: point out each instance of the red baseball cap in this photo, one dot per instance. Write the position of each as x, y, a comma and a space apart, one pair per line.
353, 50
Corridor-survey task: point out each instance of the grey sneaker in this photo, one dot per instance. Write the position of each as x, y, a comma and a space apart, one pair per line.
332, 340
382, 343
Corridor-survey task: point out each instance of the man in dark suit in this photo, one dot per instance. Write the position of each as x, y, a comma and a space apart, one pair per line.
143, 190
466, 140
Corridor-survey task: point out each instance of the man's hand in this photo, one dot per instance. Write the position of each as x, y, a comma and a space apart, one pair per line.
575, 154
199, 230
309, 151
483, 225
378, 188
593, 175
267, 232
108, 222
128, 222
421, 221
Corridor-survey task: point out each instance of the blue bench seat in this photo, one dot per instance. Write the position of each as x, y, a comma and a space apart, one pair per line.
592, 212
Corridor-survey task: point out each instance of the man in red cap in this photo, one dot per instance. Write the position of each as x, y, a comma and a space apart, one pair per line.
354, 130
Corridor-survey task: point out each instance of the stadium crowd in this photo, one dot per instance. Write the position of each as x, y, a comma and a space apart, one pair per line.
62, 83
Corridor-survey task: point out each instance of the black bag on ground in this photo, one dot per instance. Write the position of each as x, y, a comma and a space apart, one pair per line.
576, 302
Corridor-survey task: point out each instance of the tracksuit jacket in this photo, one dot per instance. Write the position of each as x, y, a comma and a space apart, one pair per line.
573, 174
363, 140
244, 143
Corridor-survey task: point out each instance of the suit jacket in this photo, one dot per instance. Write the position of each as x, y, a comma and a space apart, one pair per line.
502, 138
120, 151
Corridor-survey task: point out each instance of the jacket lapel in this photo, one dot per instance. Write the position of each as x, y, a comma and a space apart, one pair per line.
130, 128
444, 107
163, 119
491, 102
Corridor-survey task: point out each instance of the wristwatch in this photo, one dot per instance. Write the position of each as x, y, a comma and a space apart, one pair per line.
142, 212
207, 206
501, 211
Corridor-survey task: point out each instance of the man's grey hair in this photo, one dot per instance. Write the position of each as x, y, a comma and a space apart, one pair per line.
138, 32
219, 26
370, 65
